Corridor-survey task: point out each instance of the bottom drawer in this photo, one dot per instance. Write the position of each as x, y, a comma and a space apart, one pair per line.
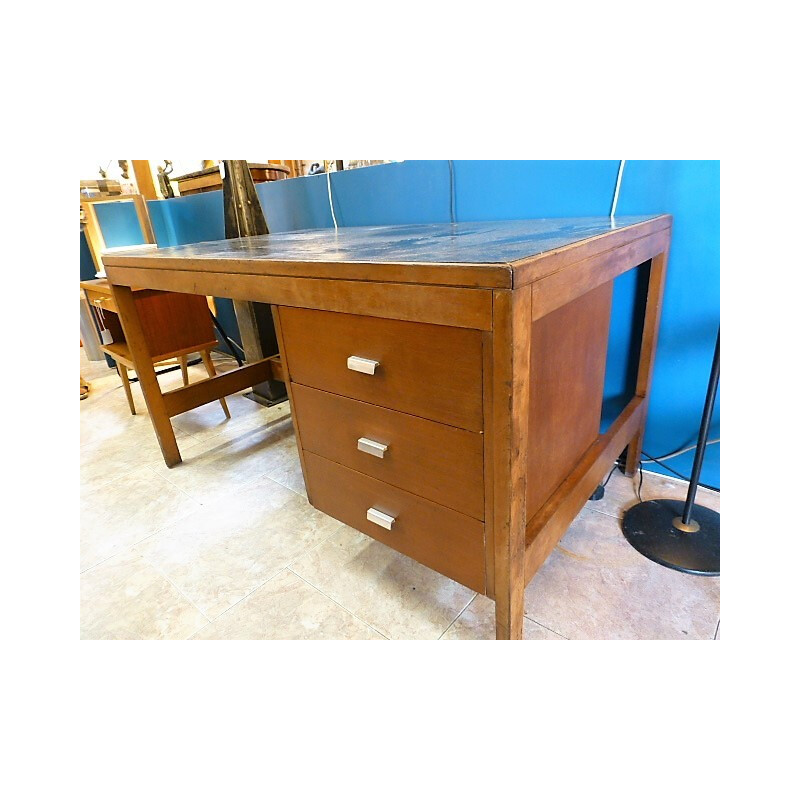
445, 540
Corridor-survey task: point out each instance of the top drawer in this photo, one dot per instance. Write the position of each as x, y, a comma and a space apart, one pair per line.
100, 300
431, 371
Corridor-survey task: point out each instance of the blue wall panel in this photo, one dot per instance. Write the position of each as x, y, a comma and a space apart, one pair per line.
119, 224
186, 220
191, 219
412, 191
690, 316
419, 191
294, 205
488, 190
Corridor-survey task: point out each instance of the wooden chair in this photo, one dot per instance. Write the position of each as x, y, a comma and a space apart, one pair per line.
175, 326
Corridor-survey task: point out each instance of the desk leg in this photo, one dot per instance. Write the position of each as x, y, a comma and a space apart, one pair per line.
647, 355
143, 364
511, 347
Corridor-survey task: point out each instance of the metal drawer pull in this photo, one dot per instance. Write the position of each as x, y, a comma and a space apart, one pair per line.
365, 365
373, 448
379, 518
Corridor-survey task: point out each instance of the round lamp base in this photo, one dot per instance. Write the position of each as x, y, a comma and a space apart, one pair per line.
650, 529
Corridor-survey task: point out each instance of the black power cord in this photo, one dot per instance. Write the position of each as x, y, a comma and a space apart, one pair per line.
600, 491
164, 371
231, 344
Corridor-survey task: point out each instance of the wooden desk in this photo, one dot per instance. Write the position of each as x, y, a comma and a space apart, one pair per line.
445, 380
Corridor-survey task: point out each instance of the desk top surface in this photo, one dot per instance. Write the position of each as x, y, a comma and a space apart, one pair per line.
502, 244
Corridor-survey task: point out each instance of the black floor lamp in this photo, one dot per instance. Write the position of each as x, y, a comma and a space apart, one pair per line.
682, 536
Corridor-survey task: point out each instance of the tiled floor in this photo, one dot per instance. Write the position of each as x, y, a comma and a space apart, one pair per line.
225, 546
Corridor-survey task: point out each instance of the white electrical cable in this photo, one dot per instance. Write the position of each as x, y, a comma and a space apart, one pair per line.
616, 188
677, 452
452, 192
330, 200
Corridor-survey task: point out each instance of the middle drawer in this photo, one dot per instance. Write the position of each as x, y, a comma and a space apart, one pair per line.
435, 461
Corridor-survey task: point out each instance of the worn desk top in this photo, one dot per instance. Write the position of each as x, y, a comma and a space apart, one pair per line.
478, 254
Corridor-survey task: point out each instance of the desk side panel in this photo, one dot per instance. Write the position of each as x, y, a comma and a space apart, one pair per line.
567, 363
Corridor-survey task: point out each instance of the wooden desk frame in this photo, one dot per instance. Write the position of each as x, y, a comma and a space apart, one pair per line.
505, 302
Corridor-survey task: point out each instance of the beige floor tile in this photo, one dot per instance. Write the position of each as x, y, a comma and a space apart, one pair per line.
92, 370
105, 414
104, 461
106, 411
286, 468
286, 607
219, 554
106, 391
477, 622
394, 594
596, 586
621, 494
128, 510
209, 421
216, 468
125, 598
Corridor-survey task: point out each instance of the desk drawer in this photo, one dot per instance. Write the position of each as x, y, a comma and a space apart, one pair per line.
430, 371
436, 461
449, 542
99, 300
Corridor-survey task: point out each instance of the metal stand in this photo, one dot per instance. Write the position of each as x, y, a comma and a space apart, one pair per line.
687, 538
244, 217
226, 339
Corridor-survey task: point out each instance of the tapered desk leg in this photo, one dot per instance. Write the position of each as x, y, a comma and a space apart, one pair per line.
647, 355
511, 348
143, 364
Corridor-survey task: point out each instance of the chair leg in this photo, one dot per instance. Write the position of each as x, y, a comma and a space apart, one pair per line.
126, 384
206, 356
184, 369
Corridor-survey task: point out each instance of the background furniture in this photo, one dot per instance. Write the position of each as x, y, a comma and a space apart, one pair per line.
207, 180
446, 380
173, 325
93, 230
